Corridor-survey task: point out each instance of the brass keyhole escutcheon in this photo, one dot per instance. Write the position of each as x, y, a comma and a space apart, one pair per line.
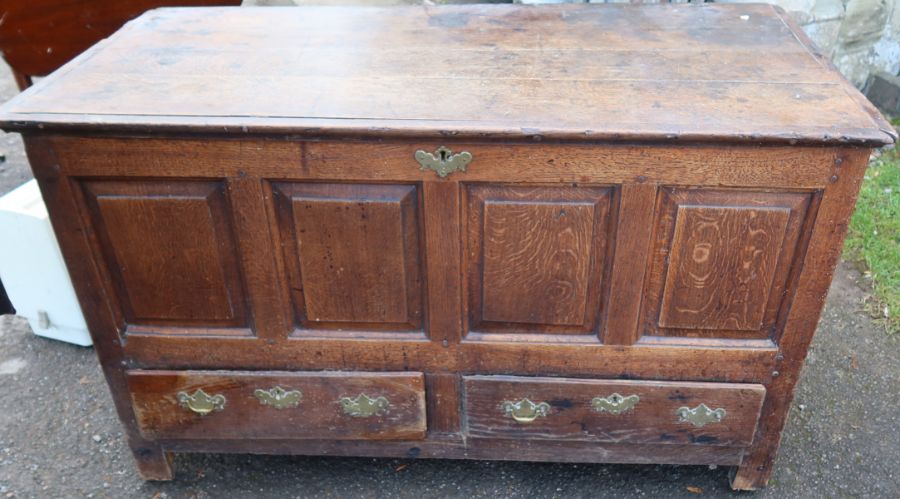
442, 161
278, 397
615, 403
700, 416
364, 406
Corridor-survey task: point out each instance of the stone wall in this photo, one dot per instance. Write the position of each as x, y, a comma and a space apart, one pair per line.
862, 37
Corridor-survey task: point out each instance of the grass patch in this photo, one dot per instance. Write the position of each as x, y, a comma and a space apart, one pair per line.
874, 237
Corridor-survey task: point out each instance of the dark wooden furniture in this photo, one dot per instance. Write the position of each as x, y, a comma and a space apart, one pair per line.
5, 305
39, 36
564, 233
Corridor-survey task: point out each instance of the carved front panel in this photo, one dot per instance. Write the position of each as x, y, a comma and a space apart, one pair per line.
170, 251
723, 261
535, 258
353, 255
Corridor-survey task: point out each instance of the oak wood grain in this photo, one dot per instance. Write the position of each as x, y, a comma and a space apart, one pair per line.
441, 201
455, 447
170, 249
444, 402
634, 228
653, 419
353, 254
762, 167
722, 262
721, 267
826, 241
788, 96
704, 359
665, 231
535, 257
318, 412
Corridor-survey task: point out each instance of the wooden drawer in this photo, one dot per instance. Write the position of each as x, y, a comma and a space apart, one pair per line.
640, 412
321, 405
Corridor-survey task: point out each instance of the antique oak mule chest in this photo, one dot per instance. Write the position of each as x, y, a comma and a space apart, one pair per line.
491, 232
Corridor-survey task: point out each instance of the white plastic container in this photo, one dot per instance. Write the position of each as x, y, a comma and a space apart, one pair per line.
32, 268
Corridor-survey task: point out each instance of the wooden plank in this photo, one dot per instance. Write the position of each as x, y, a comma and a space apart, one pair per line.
368, 352
633, 228
569, 410
468, 71
772, 167
513, 63
477, 448
441, 215
321, 405
444, 402
258, 259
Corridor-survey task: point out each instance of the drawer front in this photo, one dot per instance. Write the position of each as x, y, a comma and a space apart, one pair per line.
320, 405
638, 412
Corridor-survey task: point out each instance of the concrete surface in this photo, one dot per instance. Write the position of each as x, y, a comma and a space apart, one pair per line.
14, 169
59, 436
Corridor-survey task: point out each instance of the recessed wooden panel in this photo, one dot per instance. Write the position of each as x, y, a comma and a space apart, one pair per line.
722, 262
170, 251
352, 252
721, 267
536, 257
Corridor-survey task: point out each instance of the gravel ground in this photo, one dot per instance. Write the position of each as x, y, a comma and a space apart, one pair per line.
59, 436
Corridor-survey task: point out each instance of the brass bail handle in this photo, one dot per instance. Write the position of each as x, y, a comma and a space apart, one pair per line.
525, 411
201, 402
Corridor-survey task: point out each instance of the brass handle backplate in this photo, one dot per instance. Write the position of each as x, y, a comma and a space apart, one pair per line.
201, 402
364, 406
615, 403
700, 416
278, 397
525, 411
443, 161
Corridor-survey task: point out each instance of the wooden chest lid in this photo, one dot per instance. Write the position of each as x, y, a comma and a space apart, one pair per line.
685, 73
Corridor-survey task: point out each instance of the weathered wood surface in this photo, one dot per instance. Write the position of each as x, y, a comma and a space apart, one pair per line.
353, 254
170, 250
39, 36
319, 412
722, 261
666, 267
455, 447
653, 419
561, 72
535, 257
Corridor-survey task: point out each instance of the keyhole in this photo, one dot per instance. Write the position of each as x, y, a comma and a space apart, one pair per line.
444, 155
